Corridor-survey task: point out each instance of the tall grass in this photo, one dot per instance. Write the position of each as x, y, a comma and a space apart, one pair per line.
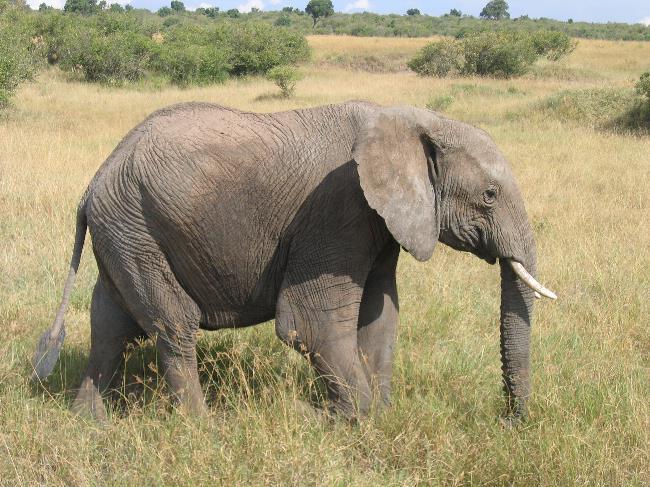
586, 194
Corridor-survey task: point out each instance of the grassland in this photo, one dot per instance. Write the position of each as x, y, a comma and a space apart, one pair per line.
586, 193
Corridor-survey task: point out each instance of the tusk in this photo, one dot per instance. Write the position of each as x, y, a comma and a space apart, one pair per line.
529, 280
537, 295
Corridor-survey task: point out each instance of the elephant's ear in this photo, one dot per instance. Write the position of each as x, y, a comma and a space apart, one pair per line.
396, 165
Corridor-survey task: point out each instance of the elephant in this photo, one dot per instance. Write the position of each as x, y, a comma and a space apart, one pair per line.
207, 217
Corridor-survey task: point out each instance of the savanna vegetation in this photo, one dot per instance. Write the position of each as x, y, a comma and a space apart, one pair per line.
500, 54
575, 134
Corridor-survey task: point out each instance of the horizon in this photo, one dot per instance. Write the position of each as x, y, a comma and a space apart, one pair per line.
599, 11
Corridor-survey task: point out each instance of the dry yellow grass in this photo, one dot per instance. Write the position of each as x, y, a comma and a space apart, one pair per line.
586, 193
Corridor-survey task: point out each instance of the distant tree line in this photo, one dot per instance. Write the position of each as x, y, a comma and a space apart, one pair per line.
318, 17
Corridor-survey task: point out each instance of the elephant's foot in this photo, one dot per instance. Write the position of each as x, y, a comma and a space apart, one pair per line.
183, 380
517, 415
308, 412
89, 403
511, 422
191, 403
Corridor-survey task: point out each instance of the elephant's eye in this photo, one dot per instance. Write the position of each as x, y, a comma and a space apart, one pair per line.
490, 196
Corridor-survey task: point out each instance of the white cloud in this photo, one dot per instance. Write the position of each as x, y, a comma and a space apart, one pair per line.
645, 21
276, 2
52, 3
193, 7
357, 5
246, 7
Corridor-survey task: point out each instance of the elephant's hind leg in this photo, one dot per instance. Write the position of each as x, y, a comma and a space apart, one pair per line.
176, 344
171, 318
165, 312
111, 329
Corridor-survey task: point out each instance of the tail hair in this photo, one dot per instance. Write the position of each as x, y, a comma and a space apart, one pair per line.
51, 341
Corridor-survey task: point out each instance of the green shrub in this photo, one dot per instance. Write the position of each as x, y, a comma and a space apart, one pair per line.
114, 47
638, 116
285, 77
255, 47
440, 102
501, 54
498, 54
552, 44
438, 58
187, 56
84, 7
643, 85
110, 58
602, 108
282, 21
18, 53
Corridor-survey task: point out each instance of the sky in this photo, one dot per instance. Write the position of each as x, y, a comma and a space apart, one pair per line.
630, 11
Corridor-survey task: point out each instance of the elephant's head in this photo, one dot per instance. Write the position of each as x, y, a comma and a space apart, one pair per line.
432, 179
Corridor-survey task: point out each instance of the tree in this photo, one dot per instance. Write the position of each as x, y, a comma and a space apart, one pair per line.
128, 7
454, 12
177, 6
43, 7
285, 77
85, 7
412, 11
165, 11
319, 9
116, 7
211, 12
282, 21
495, 10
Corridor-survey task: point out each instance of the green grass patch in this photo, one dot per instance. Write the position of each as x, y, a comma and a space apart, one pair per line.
602, 108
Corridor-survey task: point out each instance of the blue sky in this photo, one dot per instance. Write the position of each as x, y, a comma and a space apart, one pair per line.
630, 11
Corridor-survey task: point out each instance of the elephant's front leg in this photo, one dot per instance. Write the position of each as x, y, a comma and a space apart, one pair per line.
378, 320
318, 316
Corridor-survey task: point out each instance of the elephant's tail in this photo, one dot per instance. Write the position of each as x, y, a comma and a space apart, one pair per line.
50, 343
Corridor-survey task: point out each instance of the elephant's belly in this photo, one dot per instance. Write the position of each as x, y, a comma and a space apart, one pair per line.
217, 320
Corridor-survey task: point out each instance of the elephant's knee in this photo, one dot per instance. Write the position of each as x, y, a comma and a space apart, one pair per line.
287, 331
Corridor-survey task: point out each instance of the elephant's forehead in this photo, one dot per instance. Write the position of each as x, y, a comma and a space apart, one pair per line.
492, 164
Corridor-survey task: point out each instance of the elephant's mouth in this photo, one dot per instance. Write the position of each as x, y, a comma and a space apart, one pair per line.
476, 244
488, 258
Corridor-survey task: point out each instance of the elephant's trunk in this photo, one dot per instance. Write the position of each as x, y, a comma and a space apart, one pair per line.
516, 318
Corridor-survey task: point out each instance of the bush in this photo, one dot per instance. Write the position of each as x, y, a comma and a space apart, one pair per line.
440, 102
107, 50
255, 47
592, 107
285, 77
601, 108
438, 58
643, 85
500, 54
18, 53
187, 56
114, 48
554, 45
282, 21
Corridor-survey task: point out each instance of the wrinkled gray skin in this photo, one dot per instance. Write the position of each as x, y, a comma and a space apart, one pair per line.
208, 217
